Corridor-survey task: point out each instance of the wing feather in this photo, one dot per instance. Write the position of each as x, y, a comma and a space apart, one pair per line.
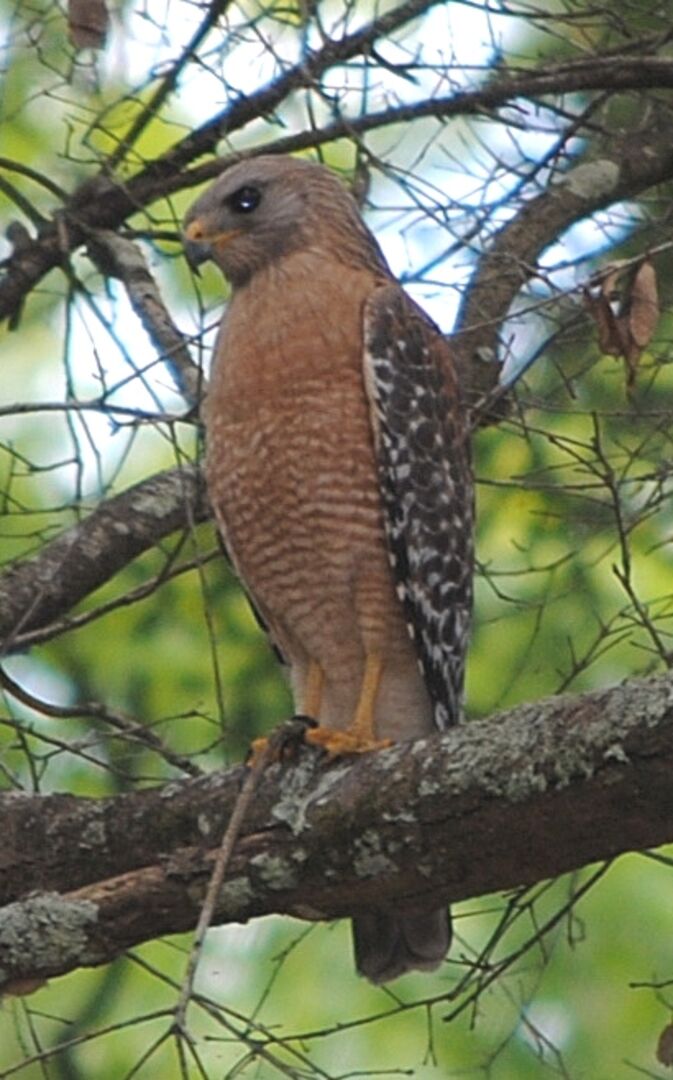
422, 443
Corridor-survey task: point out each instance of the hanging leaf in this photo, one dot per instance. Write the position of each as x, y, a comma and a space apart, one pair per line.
628, 331
88, 22
665, 1046
609, 335
644, 305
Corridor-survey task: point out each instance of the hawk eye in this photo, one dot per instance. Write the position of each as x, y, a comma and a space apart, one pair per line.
245, 199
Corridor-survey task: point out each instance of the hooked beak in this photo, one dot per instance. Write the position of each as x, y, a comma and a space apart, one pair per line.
196, 254
199, 245
197, 249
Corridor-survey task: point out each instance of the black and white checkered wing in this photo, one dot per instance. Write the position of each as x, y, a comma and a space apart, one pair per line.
422, 444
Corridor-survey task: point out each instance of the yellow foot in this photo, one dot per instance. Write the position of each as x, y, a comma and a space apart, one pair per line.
283, 744
256, 752
337, 743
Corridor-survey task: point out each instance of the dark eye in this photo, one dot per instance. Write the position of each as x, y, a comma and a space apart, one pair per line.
245, 200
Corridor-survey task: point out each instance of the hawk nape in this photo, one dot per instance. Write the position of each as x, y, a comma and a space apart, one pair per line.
338, 469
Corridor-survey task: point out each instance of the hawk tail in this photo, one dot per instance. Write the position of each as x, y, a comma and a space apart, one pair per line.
387, 944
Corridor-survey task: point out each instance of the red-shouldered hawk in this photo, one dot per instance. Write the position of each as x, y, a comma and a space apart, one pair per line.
338, 469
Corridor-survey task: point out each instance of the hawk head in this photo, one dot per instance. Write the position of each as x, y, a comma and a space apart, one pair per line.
266, 207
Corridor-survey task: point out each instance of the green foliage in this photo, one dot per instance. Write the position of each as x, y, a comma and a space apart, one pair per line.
574, 585
572, 522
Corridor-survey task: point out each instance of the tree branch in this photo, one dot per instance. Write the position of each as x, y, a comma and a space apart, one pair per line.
105, 202
615, 73
493, 804
619, 168
116, 256
42, 587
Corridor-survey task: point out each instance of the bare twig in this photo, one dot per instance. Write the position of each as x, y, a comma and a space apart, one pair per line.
118, 257
263, 757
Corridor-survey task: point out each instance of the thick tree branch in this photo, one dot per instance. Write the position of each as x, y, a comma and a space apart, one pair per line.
42, 587
615, 73
618, 169
103, 202
493, 804
306, 73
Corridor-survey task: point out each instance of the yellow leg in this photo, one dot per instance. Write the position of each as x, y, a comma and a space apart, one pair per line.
310, 706
363, 724
360, 736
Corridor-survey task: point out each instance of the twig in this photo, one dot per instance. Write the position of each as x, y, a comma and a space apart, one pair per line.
121, 258
132, 729
285, 739
44, 586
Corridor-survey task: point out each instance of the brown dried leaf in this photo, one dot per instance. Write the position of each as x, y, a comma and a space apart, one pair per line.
665, 1046
88, 22
631, 354
609, 332
627, 333
643, 305
609, 281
